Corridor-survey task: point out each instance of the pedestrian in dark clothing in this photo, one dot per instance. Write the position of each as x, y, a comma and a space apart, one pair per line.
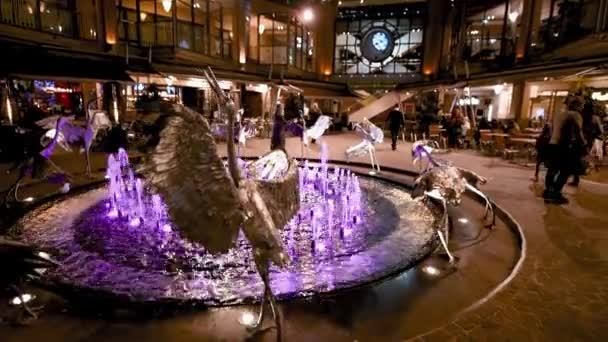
395, 123
541, 148
592, 130
565, 150
277, 141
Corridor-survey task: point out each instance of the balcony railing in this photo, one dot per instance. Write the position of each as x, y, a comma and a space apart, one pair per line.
48, 16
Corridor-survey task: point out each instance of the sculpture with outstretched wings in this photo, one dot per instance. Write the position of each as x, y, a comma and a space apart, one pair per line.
186, 170
209, 204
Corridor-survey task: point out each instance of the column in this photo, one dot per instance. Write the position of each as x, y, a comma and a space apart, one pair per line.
240, 12
530, 24
324, 36
437, 14
110, 22
520, 103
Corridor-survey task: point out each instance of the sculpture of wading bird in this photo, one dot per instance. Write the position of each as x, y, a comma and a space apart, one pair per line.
18, 263
209, 204
446, 183
36, 159
62, 132
371, 135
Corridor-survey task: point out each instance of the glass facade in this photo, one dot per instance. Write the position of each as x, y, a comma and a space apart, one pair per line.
487, 32
200, 25
563, 21
281, 40
379, 40
62, 17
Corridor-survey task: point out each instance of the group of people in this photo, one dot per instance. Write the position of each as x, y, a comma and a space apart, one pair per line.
564, 146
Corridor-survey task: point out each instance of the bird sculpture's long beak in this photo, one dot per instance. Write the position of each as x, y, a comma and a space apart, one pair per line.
416, 160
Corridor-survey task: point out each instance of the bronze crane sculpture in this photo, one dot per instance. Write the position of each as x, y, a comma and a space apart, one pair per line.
209, 204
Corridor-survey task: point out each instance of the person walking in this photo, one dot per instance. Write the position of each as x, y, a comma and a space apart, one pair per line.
395, 123
565, 150
592, 131
541, 149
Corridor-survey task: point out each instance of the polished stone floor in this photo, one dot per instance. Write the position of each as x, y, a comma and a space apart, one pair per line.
560, 294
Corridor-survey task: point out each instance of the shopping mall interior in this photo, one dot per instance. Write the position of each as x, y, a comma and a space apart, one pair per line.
303, 170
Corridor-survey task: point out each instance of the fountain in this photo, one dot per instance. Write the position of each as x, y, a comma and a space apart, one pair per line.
117, 239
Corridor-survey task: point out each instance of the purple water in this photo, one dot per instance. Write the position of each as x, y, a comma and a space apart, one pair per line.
117, 239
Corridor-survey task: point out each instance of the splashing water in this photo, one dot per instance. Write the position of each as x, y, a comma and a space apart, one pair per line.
337, 199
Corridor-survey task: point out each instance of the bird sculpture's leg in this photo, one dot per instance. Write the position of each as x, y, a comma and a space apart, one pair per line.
444, 224
263, 270
376, 158
88, 157
489, 208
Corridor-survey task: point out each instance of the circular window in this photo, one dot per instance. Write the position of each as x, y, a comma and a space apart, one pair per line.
377, 44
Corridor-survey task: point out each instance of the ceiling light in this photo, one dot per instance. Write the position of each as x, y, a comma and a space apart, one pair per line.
167, 5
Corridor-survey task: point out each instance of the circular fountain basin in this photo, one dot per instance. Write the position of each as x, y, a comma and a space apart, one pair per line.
148, 262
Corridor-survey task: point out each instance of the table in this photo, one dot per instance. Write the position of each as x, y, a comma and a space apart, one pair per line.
523, 141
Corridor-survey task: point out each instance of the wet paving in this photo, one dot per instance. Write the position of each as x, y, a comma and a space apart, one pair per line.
561, 293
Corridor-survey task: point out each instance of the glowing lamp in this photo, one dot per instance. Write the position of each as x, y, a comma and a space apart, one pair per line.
26, 297
307, 15
430, 270
247, 319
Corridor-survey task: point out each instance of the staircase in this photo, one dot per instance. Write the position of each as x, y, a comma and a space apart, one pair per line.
377, 105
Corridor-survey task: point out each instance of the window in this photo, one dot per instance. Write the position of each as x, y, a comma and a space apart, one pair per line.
391, 43
200, 25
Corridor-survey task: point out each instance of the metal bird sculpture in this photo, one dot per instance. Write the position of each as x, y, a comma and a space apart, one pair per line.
371, 135
209, 204
36, 160
67, 135
446, 183
20, 262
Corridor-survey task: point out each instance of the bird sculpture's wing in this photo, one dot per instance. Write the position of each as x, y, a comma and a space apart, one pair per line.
319, 128
71, 133
19, 260
186, 170
444, 179
49, 122
97, 122
376, 133
471, 177
276, 200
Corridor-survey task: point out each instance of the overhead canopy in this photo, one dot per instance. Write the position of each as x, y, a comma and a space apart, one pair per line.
42, 63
